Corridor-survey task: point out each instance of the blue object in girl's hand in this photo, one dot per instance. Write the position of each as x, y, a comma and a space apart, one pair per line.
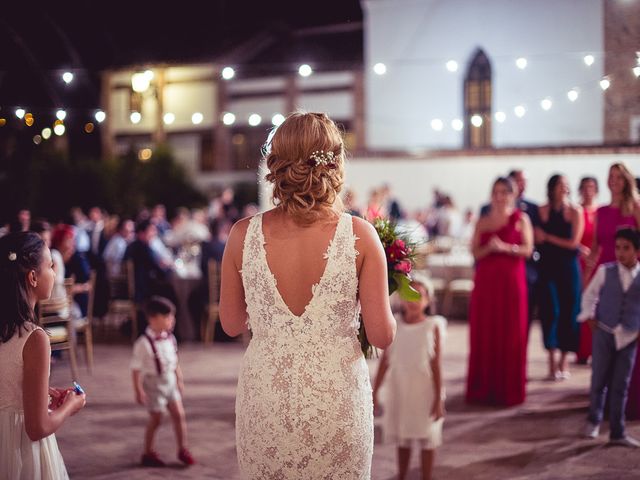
77, 388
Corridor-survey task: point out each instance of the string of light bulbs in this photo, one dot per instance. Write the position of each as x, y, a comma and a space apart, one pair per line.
142, 80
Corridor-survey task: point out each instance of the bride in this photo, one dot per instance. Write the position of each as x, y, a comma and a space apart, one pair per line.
297, 276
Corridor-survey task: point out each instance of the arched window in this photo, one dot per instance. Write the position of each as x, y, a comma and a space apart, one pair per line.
477, 102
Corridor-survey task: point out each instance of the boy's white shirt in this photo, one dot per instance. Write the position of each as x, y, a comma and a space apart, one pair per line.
591, 296
144, 360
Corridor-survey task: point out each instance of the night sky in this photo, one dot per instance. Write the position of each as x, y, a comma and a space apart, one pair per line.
39, 42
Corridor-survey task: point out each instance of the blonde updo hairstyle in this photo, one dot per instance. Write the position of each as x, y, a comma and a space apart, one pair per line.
305, 191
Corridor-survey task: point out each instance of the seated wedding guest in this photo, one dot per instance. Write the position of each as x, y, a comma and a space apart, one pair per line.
67, 262
80, 224
150, 275
42, 228
391, 202
159, 219
115, 249
22, 221
449, 218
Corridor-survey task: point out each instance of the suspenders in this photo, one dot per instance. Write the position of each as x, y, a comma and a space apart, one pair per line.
155, 352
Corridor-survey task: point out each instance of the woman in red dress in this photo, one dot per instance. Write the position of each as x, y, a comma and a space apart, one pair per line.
588, 191
498, 311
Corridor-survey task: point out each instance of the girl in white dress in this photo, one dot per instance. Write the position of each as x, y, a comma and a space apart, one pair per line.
414, 404
298, 275
28, 448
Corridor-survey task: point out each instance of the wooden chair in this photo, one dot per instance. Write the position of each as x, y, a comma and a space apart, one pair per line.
208, 326
54, 315
458, 288
122, 297
84, 326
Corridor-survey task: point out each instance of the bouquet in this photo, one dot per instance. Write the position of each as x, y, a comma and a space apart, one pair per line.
399, 251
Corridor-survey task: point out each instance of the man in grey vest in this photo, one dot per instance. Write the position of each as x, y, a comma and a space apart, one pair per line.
611, 306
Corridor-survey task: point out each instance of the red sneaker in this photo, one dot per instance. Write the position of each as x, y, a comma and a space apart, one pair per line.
185, 457
151, 459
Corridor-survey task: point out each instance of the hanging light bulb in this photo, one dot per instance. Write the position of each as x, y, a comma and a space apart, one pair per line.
135, 117
520, 111
476, 120
168, 118
605, 83
500, 117
457, 124
255, 119
100, 116
573, 94
20, 113
452, 66
546, 104
67, 77
437, 124
197, 118
380, 69
61, 114
228, 73
277, 119
305, 70
588, 60
521, 63
228, 118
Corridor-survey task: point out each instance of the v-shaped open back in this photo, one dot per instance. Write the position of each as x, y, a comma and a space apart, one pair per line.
314, 286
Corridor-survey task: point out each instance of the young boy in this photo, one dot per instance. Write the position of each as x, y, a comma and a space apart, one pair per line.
611, 306
157, 379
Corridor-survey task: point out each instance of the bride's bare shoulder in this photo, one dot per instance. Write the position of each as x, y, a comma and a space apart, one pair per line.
366, 234
239, 231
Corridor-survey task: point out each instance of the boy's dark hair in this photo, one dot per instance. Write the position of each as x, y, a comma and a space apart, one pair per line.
157, 305
20, 252
629, 234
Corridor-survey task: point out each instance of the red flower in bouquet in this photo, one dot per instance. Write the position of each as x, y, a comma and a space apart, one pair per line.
403, 267
397, 251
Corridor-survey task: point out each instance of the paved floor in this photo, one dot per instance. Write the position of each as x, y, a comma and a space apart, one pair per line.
537, 440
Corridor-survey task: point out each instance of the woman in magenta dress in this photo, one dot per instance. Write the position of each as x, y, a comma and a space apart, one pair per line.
623, 210
498, 310
588, 191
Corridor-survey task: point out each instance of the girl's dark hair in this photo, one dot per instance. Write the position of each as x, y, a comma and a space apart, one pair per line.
20, 253
507, 182
551, 186
585, 180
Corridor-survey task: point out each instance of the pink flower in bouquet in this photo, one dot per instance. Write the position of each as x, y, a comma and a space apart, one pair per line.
403, 267
397, 250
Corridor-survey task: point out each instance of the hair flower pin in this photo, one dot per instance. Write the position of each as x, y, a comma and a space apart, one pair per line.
12, 256
320, 157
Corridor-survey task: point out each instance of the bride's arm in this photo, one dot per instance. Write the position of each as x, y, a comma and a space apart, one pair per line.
373, 287
233, 308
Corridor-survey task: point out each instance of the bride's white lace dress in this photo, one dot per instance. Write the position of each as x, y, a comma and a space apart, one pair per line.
304, 407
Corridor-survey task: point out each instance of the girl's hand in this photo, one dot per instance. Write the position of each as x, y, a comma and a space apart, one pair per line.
141, 397
181, 387
76, 402
438, 411
56, 397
